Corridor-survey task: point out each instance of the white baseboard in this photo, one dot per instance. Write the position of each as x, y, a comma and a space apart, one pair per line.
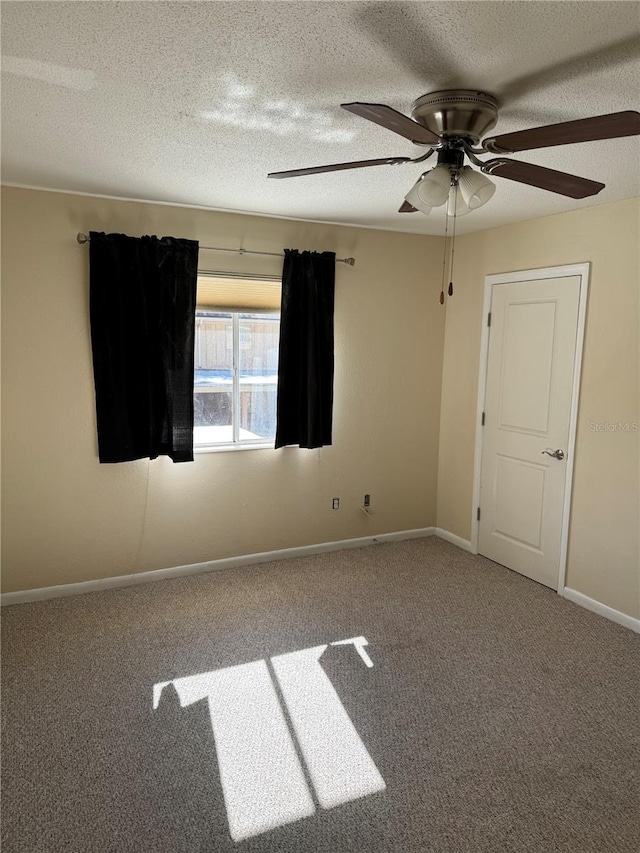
455, 540
602, 609
45, 592
62, 590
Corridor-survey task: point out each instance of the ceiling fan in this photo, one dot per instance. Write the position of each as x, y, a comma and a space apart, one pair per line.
451, 123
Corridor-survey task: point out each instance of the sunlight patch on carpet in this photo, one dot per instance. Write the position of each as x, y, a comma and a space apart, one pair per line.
263, 781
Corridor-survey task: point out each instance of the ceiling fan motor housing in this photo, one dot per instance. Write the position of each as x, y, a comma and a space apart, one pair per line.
458, 113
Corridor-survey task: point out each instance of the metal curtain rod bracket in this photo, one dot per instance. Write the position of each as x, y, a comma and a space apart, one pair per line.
83, 238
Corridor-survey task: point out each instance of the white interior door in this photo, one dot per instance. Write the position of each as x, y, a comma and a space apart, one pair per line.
527, 413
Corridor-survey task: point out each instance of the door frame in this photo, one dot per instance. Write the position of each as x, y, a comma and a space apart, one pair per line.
491, 281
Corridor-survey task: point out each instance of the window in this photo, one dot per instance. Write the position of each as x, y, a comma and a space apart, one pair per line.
236, 362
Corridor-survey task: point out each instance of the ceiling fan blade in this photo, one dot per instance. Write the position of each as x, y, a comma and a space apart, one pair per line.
405, 207
609, 126
546, 179
337, 167
395, 121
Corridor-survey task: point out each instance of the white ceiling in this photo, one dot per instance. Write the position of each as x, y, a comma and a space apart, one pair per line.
195, 102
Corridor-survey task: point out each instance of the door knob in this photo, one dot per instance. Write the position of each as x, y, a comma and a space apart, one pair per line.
557, 454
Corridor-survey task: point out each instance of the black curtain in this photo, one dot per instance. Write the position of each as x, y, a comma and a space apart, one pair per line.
142, 307
305, 368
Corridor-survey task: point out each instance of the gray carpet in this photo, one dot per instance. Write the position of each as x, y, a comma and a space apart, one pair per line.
501, 717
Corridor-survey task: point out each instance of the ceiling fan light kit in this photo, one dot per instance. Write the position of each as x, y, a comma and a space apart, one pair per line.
463, 191
415, 200
475, 188
433, 189
452, 122
456, 205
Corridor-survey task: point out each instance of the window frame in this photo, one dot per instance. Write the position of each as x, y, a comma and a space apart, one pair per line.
237, 315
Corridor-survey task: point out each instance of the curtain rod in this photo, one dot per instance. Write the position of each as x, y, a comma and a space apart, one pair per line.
83, 238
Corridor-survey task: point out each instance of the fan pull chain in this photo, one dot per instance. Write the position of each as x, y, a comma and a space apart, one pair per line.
453, 241
444, 257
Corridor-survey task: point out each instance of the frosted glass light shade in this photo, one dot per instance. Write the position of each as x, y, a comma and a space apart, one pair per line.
433, 189
456, 206
414, 199
475, 188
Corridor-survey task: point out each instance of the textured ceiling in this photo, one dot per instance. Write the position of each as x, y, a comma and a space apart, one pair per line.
195, 102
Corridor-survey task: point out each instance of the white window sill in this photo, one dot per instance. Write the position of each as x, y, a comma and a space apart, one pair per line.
216, 448
211, 439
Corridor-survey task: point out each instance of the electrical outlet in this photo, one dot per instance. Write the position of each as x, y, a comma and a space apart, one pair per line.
367, 501
336, 503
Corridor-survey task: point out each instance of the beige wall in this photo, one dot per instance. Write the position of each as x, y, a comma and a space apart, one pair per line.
67, 518
603, 560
